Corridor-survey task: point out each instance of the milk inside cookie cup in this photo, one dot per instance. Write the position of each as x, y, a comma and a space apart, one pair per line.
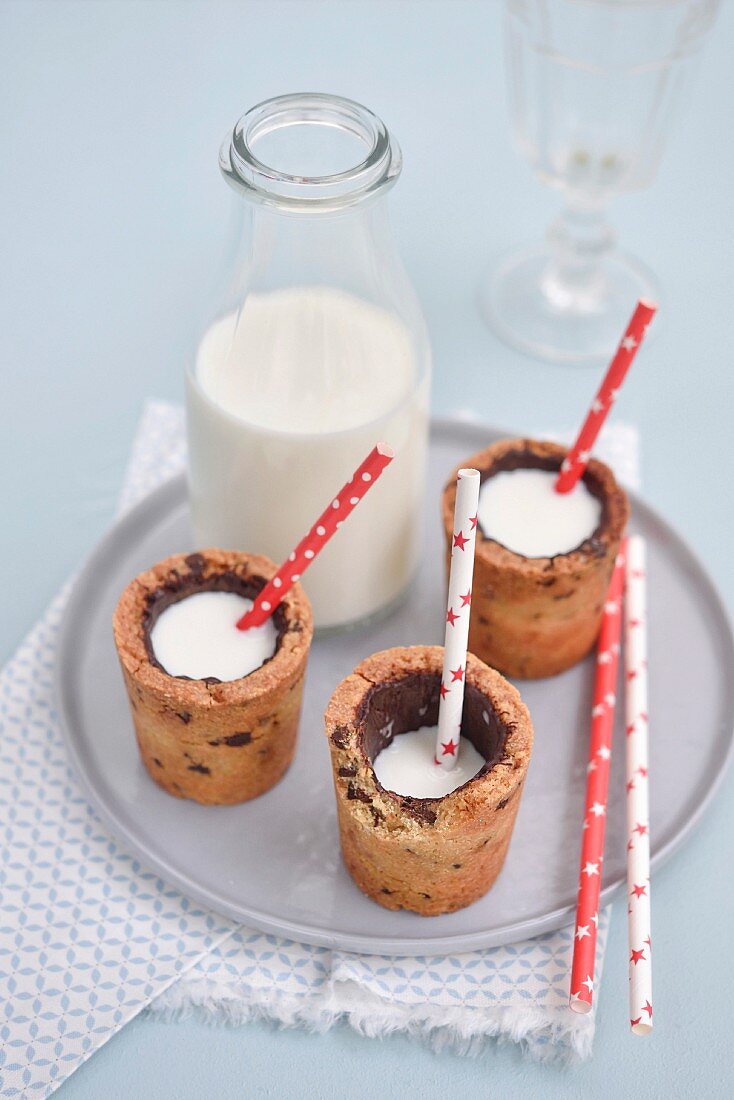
535, 616
429, 855
187, 627
212, 740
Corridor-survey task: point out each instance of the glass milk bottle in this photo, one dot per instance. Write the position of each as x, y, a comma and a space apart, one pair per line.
318, 351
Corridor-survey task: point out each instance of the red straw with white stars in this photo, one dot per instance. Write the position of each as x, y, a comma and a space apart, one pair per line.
457, 618
597, 783
577, 459
313, 543
638, 814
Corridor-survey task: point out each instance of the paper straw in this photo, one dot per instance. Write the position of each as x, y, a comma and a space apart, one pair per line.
597, 783
577, 459
313, 543
638, 814
456, 637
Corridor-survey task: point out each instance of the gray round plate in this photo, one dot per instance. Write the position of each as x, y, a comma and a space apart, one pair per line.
274, 863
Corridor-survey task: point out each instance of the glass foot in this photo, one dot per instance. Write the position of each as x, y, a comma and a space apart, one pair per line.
577, 322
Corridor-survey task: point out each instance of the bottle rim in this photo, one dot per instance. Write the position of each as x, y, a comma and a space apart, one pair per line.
262, 183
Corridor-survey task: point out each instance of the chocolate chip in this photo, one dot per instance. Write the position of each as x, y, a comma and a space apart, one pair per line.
201, 768
547, 581
234, 740
424, 895
456, 866
356, 794
385, 890
237, 739
157, 761
231, 578
483, 620
563, 595
501, 805
195, 563
340, 737
419, 810
348, 771
184, 716
596, 546
211, 680
377, 817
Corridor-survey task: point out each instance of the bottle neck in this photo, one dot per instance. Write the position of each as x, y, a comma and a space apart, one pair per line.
345, 250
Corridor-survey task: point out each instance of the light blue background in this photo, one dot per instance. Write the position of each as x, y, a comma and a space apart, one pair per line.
112, 211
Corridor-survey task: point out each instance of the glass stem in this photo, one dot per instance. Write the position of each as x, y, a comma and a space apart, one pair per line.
579, 240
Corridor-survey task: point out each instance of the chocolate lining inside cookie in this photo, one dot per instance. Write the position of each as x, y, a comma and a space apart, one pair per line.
398, 706
525, 459
180, 585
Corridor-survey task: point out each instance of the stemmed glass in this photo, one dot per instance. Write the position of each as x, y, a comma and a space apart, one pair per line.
594, 86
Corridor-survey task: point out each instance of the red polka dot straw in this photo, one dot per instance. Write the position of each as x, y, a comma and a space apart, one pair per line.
311, 545
577, 459
638, 813
597, 783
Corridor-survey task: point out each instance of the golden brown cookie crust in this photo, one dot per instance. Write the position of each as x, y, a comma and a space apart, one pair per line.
427, 855
536, 617
213, 742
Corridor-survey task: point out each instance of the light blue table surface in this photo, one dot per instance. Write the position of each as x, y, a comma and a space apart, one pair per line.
112, 212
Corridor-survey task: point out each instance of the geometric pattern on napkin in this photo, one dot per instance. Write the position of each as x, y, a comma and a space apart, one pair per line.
88, 936
518, 992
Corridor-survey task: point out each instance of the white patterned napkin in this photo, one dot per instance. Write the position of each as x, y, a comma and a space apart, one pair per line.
89, 937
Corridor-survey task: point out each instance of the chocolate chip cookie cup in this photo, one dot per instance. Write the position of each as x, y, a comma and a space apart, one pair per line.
534, 617
428, 855
216, 742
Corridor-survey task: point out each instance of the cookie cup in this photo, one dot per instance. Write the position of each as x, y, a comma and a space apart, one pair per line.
214, 742
536, 617
429, 855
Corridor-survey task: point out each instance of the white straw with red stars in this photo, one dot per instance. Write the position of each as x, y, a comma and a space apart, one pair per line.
577, 459
597, 783
458, 611
313, 543
638, 813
